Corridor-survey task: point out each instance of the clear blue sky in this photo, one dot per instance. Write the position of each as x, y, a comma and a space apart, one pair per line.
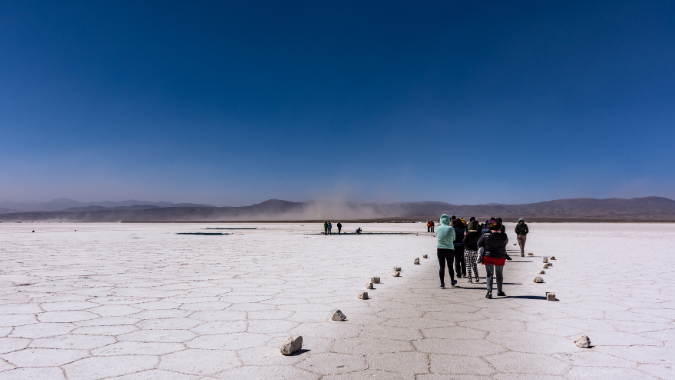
232, 103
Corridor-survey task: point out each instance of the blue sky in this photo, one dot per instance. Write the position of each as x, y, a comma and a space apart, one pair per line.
234, 103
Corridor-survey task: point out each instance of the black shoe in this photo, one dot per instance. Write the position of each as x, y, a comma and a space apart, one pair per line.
442, 286
508, 258
488, 295
501, 294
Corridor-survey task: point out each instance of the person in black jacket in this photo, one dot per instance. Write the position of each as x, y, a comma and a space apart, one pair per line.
460, 231
522, 231
494, 243
471, 249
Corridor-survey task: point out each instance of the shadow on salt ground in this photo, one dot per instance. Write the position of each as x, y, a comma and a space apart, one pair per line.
299, 352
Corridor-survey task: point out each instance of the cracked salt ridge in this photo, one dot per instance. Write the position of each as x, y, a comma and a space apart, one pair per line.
631, 323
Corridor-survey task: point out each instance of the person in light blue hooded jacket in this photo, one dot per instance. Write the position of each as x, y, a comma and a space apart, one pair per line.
445, 249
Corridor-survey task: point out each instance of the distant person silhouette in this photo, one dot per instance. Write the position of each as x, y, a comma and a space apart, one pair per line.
330, 228
339, 226
432, 225
325, 228
522, 231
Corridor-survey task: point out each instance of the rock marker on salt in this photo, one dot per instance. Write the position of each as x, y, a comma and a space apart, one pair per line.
583, 342
338, 316
291, 345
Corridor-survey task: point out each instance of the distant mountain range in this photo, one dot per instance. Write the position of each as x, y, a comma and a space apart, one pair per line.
576, 209
64, 204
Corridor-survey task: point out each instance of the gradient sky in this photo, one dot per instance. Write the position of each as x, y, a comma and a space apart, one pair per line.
232, 103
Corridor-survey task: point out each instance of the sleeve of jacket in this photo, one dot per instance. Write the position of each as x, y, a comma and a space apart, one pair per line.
527, 230
481, 242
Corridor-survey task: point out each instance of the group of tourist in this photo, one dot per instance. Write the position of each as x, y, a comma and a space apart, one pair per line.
465, 246
328, 227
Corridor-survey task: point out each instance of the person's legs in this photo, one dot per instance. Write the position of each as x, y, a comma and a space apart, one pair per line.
521, 243
500, 280
459, 261
450, 258
470, 257
489, 269
441, 264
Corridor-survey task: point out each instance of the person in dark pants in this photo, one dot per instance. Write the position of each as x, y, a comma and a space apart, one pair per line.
432, 225
460, 232
494, 257
522, 231
325, 228
330, 228
339, 226
445, 249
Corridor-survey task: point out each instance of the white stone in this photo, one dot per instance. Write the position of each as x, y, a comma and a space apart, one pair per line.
375, 280
425, 256
369, 285
583, 342
338, 316
363, 295
545, 259
538, 279
292, 345
397, 269
395, 273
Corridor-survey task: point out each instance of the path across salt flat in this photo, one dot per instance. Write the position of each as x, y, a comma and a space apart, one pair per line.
140, 302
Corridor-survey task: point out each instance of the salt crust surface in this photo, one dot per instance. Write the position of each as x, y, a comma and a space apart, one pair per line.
137, 301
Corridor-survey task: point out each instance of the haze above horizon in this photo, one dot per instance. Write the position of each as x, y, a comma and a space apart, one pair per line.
236, 103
